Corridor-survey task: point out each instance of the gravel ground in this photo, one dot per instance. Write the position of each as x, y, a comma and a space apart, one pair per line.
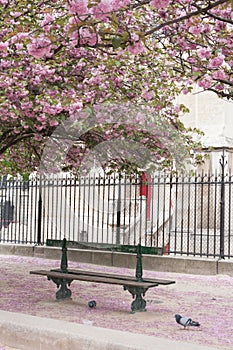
207, 299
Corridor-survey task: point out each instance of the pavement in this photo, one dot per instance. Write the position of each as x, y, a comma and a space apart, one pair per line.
31, 318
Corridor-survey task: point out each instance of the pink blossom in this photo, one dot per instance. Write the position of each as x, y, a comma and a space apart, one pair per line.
15, 14
94, 80
102, 9
163, 75
79, 7
205, 82
206, 28
52, 110
18, 37
185, 91
219, 74
219, 87
39, 127
220, 25
135, 37
117, 4
26, 105
53, 123
216, 61
195, 30
41, 117
87, 37
137, 48
39, 47
177, 108
37, 137
3, 45
76, 106
191, 59
19, 46
204, 53
47, 21
5, 64
148, 95
160, 3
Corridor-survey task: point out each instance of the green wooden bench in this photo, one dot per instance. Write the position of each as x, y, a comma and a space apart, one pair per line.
137, 286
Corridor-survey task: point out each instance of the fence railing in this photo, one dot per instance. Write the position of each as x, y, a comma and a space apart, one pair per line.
182, 214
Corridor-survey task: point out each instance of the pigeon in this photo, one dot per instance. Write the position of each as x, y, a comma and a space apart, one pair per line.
92, 304
185, 321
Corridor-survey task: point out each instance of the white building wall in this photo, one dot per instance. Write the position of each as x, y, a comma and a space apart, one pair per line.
214, 116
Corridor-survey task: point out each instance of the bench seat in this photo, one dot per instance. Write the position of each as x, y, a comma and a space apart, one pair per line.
95, 278
62, 279
121, 277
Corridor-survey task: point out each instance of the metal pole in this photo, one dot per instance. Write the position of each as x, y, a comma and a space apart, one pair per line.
118, 233
64, 263
222, 205
139, 263
39, 215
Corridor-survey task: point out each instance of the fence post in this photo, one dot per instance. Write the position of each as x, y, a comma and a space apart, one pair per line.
222, 205
39, 215
118, 232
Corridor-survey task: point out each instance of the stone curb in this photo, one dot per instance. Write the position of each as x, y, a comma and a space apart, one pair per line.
28, 332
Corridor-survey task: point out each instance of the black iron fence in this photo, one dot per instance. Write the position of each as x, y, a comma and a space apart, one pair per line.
181, 214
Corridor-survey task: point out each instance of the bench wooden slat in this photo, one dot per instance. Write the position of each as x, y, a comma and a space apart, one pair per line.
95, 279
122, 277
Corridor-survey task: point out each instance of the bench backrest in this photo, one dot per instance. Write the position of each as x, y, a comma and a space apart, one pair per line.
138, 273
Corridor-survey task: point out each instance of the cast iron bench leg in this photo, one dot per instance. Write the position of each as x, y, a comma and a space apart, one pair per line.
139, 304
63, 292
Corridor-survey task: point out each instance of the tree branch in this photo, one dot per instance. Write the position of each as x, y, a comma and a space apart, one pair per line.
14, 140
189, 15
221, 93
226, 20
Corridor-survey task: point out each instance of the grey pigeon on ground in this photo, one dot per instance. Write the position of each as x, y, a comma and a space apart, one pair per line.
185, 321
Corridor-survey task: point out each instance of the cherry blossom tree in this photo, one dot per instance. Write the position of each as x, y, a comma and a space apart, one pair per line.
60, 59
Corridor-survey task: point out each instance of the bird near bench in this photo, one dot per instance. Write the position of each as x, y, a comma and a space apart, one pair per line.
186, 321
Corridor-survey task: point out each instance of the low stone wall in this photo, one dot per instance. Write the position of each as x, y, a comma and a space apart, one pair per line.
166, 263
